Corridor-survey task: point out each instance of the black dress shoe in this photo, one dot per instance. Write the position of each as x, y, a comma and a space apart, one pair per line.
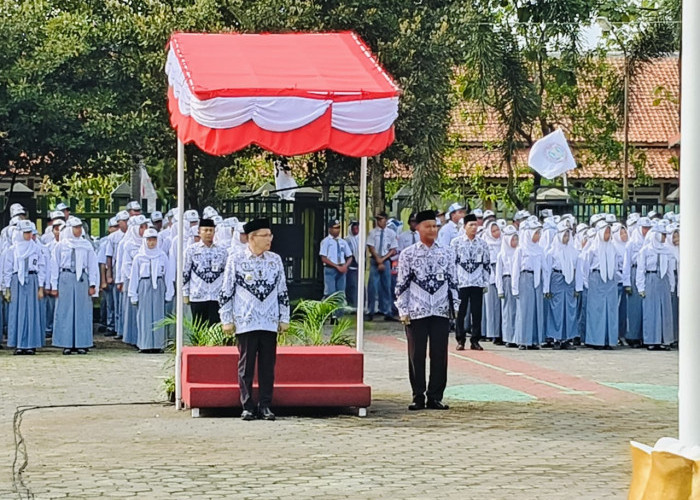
512, 345
476, 347
82, 351
498, 342
369, 317
566, 346
19, 352
247, 415
522, 347
416, 405
460, 346
31, 352
533, 348
66, 352
437, 405
390, 318
266, 414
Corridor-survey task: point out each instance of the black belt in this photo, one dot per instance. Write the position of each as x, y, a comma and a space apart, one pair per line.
556, 271
506, 275
652, 272
67, 270
527, 271
28, 272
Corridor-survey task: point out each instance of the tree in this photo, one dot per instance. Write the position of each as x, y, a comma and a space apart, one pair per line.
82, 85
524, 60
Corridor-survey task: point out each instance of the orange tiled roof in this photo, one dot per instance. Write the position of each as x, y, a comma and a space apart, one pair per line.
650, 122
654, 123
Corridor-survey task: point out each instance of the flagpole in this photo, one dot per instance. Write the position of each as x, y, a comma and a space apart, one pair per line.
566, 183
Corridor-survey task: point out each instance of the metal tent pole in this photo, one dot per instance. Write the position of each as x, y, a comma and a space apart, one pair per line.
689, 342
179, 304
362, 252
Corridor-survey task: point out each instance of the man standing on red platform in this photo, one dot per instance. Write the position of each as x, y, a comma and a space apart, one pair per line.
255, 305
426, 297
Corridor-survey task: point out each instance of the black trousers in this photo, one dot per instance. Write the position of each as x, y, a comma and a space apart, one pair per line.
472, 297
433, 330
263, 346
206, 311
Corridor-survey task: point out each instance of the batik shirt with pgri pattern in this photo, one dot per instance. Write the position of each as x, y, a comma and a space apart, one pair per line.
254, 294
203, 272
426, 282
473, 261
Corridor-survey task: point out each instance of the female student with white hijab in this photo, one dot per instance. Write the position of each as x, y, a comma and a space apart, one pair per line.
491, 319
600, 265
23, 277
150, 287
673, 240
620, 239
559, 288
637, 234
654, 282
526, 286
74, 279
504, 266
129, 246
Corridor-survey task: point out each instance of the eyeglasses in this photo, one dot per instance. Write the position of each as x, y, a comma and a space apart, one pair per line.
266, 235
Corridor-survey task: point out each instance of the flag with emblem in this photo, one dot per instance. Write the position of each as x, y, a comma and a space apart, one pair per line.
551, 156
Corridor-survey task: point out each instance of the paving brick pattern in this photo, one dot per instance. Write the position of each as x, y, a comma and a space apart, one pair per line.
551, 448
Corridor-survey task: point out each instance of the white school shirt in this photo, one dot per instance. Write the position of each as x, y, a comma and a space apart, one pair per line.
447, 233
336, 250
523, 262
388, 243
504, 266
408, 238
61, 258
36, 263
141, 268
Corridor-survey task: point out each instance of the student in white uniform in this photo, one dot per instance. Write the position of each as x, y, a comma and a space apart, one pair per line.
450, 230
336, 257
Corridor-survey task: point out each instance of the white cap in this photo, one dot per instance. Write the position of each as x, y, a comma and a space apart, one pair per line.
113, 222
501, 223
532, 219
25, 226
16, 209
645, 222
670, 216
156, 216
453, 208
209, 213
581, 227
521, 214
230, 222
74, 222
150, 233
57, 214
58, 222
191, 216
122, 215
169, 213
479, 213
61, 206
610, 218
652, 214
489, 213
133, 205
597, 217
217, 220
137, 220
547, 212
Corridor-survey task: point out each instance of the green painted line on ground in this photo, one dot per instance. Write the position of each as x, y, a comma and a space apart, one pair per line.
652, 391
490, 393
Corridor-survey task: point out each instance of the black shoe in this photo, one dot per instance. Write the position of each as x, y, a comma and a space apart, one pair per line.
266, 414
511, 345
247, 415
369, 317
608, 348
577, 341
522, 348
498, 342
566, 346
19, 352
67, 351
30, 352
119, 337
548, 345
82, 351
437, 405
475, 346
460, 346
390, 318
110, 333
417, 405
533, 348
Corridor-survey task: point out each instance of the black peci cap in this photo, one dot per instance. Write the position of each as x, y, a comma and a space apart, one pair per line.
256, 224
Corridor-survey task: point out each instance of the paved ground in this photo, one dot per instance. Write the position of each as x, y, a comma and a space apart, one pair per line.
531, 425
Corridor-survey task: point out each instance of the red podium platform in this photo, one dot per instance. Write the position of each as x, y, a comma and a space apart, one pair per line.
305, 376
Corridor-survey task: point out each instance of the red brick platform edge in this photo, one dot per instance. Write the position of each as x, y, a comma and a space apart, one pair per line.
305, 376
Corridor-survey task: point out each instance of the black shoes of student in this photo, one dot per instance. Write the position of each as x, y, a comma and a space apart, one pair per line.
82, 351
247, 415
110, 333
416, 405
18, 352
369, 317
266, 414
658, 347
66, 352
498, 341
566, 346
390, 318
475, 346
460, 346
522, 348
437, 405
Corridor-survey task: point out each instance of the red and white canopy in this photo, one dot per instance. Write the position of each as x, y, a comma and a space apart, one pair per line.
287, 93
